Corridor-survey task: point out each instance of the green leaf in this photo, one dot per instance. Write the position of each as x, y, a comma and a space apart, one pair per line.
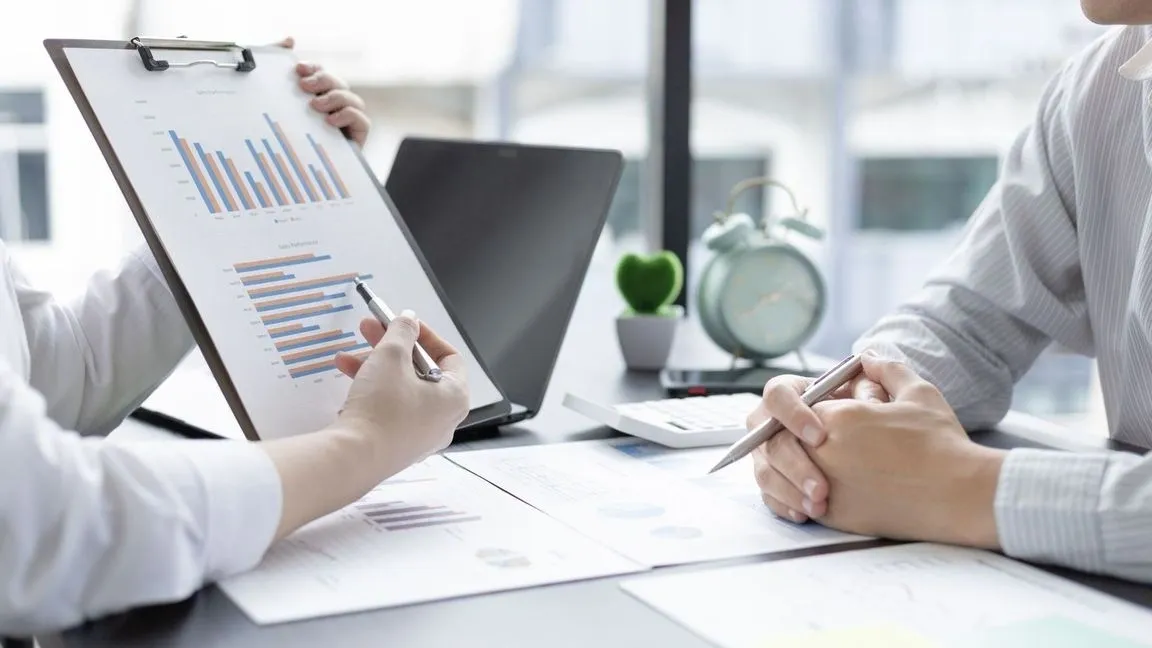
650, 283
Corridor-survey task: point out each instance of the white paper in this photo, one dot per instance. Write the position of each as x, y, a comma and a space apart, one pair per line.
155, 120
653, 504
910, 596
434, 531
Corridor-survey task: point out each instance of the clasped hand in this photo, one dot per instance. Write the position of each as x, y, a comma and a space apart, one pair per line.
886, 456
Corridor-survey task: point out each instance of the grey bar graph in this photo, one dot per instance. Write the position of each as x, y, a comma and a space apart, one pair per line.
389, 519
400, 511
416, 525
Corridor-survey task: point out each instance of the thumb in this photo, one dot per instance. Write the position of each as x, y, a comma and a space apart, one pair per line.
898, 379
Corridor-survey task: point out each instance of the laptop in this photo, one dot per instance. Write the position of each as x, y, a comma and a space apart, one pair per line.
508, 230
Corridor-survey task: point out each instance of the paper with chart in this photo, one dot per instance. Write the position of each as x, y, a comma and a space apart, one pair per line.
905, 596
268, 217
434, 531
653, 504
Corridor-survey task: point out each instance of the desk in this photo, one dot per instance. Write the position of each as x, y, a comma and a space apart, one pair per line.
591, 613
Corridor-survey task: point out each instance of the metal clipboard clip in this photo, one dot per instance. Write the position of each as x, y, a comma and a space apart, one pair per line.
145, 45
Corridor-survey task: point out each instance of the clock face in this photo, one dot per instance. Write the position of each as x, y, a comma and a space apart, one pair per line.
772, 301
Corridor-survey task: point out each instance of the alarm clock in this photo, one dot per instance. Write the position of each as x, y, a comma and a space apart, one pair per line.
760, 297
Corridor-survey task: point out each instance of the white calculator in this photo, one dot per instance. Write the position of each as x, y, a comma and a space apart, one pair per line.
675, 422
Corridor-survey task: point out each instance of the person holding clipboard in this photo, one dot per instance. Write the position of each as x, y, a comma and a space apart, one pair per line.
89, 527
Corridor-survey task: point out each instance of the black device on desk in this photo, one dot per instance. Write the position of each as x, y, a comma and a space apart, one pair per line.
679, 383
509, 231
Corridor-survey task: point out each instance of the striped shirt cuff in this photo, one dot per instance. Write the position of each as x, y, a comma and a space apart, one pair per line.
1047, 507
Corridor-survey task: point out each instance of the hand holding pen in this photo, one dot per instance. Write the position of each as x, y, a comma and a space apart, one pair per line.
425, 366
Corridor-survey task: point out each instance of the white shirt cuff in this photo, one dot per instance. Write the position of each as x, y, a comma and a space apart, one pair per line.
1046, 507
243, 496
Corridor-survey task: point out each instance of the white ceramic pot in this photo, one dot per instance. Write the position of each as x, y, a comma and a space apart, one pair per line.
646, 340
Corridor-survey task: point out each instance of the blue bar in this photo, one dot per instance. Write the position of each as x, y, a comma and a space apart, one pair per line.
319, 340
291, 159
327, 167
280, 320
263, 171
320, 183
288, 184
192, 172
235, 181
299, 302
334, 282
281, 264
301, 374
215, 182
322, 354
306, 329
255, 190
257, 282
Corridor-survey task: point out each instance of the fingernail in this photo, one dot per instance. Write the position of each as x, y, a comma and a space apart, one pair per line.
873, 399
796, 517
409, 313
809, 487
869, 352
808, 506
812, 435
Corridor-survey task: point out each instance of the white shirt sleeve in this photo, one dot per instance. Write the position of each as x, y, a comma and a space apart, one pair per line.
90, 527
95, 359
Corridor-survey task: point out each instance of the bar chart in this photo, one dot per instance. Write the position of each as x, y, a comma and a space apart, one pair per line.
404, 516
294, 297
271, 172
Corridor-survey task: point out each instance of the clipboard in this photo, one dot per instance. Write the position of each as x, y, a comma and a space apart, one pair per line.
158, 57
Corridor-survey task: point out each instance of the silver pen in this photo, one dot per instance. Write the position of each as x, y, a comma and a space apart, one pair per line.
821, 388
425, 366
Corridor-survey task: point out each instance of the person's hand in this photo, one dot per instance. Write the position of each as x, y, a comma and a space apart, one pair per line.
341, 107
906, 469
410, 416
790, 483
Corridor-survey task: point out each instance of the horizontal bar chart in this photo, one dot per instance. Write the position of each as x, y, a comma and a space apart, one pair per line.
401, 516
294, 297
272, 173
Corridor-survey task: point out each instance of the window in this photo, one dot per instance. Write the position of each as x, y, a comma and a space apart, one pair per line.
24, 214
712, 179
921, 194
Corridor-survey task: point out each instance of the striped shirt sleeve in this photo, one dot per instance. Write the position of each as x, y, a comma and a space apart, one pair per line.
1091, 512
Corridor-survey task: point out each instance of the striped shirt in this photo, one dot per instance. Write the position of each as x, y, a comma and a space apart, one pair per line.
1059, 251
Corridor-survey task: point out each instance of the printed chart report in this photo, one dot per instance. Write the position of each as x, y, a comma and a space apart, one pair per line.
647, 503
905, 596
434, 531
268, 216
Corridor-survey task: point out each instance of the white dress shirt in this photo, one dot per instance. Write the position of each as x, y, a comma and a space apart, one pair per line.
1060, 250
88, 526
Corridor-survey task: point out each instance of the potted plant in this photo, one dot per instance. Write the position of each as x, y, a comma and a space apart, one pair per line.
649, 285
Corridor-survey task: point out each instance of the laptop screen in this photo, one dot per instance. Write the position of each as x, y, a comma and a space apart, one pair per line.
509, 231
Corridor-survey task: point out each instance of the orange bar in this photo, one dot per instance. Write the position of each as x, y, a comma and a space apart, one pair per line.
292, 186
324, 349
289, 300
301, 169
299, 284
240, 181
335, 174
249, 264
291, 313
327, 189
292, 371
306, 338
214, 169
200, 174
285, 329
271, 173
264, 275
263, 194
